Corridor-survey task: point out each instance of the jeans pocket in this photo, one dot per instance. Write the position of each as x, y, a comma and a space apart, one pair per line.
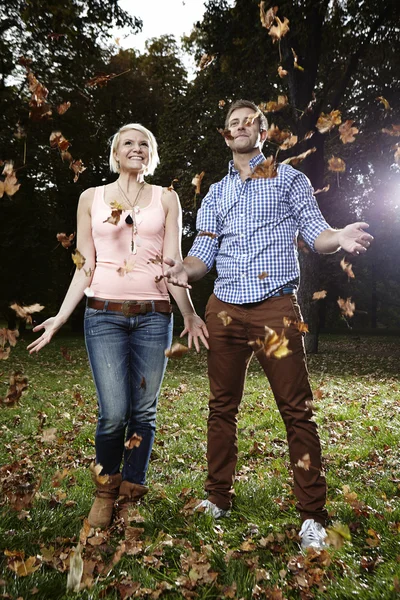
91, 312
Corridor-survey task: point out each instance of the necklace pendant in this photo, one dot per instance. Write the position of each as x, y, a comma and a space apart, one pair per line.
129, 220
133, 247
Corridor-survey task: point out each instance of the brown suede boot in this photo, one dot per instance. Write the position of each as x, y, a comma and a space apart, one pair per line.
106, 494
129, 495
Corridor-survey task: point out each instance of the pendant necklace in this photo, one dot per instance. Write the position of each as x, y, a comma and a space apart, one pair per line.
131, 220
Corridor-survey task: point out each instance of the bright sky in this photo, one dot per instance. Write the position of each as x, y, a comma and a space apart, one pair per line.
161, 17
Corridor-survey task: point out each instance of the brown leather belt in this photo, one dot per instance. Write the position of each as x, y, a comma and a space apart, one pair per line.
131, 307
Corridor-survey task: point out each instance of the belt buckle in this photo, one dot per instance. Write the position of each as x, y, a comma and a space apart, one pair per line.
142, 310
126, 307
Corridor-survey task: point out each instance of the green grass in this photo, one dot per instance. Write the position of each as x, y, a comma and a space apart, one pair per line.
252, 554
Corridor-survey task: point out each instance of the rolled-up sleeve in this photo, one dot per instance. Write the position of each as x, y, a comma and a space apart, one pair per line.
205, 246
310, 220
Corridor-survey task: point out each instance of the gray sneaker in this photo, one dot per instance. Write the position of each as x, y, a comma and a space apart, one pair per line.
312, 535
209, 508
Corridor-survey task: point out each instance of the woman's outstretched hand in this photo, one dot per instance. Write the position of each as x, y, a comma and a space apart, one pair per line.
196, 330
50, 326
176, 273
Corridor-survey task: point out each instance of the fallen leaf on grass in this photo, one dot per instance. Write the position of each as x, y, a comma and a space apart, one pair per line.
48, 435
22, 568
133, 442
176, 351
225, 318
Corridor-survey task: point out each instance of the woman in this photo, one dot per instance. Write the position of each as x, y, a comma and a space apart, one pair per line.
124, 230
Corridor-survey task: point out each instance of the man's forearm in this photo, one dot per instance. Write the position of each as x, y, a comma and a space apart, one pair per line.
195, 268
327, 242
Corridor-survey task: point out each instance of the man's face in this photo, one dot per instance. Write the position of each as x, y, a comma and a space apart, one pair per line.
246, 138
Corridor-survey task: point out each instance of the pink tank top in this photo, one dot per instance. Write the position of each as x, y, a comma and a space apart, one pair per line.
120, 274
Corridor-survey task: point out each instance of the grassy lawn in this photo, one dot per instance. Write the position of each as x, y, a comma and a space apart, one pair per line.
47, 446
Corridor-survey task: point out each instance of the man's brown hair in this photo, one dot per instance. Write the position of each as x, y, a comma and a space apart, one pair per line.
247, 104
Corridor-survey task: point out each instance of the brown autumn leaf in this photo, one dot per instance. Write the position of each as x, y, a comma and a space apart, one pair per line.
251, 118
336, 165
225, 318
319, 295
273, 344
23, 568
63, 107
274, 134
158, 260
10, 185
274, 106
262, 275
78, 259
78, 168
299, 325
101, 79
116, 212
5, 352
221, 103
337, 534
170, 188
96, 469
57, 140
196, 181
133, 442
322, 190
347, 268
8, 336
127, 267
48, 435
295, 160
384, 102
205, 61
304, 462
18, 382
282, 72
225, 133
279, 30
75, 570
267, 17
295, 61
25, 312
347, 307
265, 170
289, 142
395, 131
326, 122
207, 234
176, 351
65, 240
38, 101
347, 132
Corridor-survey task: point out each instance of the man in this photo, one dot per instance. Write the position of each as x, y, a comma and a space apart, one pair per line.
249, 226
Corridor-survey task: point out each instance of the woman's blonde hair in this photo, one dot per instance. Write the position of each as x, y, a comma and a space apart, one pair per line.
153, 152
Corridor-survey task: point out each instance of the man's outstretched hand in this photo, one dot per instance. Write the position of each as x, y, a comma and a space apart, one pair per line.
176, 273
353, 239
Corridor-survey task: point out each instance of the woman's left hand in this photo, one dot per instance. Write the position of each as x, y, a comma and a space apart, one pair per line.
196, 330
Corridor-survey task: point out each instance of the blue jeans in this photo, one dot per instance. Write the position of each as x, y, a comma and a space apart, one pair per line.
127, 359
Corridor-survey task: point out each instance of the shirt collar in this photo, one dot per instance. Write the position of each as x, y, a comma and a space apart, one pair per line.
253, 162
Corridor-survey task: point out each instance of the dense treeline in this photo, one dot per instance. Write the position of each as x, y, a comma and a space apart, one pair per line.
349, 56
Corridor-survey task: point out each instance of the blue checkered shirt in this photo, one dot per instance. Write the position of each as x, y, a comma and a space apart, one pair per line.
254, 226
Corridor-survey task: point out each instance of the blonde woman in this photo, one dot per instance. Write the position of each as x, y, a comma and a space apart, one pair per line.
124, 230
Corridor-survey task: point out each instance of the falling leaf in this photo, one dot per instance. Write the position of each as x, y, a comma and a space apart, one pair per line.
75, 570
38, 103
282, 72
205, 61
337, 534
274, 106
395, 131
384, 102
57, 140
207, 234
326, 122
251, 118
127, 267
295, 160
10, 185
274, 134
18, 382
304, 462
273, 344
336, 165
133, 442
196, 181
347, 132
347, 307
8, 336
63, 107
267, 17
323, 190
77, 167
78, 259
262, 275
221, 103
225, 318
65, 240
25, 312
289, 142
347, 268
225, 133
96, 469
279, 30
266, 170
299, 325
176, 351
101, 79
319, 295
158, 260
5, 352
116, 212
295, 61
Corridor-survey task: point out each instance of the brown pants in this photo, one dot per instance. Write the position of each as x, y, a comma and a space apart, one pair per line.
228, 359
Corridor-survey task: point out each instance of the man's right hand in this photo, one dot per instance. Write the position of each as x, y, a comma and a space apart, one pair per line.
176, 274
